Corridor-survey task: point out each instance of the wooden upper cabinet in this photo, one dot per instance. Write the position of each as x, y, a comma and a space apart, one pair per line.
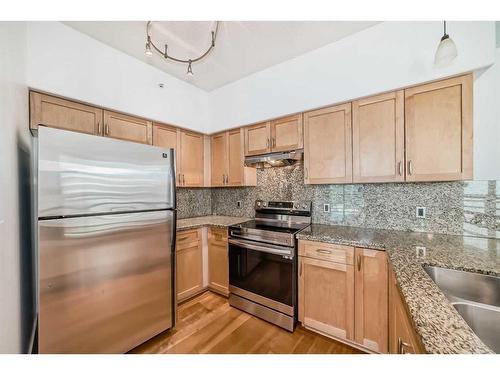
191, 159
257, 139
438, 126
64, 114
127, 128
286, 133
235, 160
164, 136
378, 138
328, 145
371, 299
218, 159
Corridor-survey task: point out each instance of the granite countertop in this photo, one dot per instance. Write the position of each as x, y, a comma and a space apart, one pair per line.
439, 325
213, 221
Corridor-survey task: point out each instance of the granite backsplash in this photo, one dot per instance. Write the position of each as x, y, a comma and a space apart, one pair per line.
464, 208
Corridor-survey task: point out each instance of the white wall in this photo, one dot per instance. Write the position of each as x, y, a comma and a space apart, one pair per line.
64, 61
14, 134
384, 57
487, 122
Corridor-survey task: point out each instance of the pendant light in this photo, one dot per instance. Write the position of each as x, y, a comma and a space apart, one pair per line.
446, 51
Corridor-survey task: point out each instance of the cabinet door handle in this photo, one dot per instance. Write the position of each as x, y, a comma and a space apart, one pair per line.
323, 251
267, 142
106, 129
183, 179
305, 173
410, 168
98, 128
402, 345
300, 268
400, 168
273, 144
359, 262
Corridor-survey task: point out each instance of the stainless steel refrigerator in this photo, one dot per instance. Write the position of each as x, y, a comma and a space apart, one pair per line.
106, 240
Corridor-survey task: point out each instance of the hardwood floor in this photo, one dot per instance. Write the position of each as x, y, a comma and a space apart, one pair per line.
207, 324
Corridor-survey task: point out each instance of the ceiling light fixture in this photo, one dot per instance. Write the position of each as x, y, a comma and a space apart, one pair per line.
150, 46
446, 51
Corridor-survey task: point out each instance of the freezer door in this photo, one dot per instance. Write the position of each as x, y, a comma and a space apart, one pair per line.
105, 281
84, 174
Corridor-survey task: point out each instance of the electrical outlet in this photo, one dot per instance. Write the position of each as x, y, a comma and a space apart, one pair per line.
326, 207
421, 212
238, 204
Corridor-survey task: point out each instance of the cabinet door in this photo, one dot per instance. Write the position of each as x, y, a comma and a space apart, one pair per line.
326, 297
64, 114
219, 159
371, 301
286, 133
378, 138
166, 136
402, 337
438, 130
189, 264
235, 165
328, 145
127, 128
191, 159
258, 139
218, 264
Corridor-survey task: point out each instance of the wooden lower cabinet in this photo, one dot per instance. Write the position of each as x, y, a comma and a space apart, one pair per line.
189, 263
326, 293
402, 337
371, 290
344, 293
218, 263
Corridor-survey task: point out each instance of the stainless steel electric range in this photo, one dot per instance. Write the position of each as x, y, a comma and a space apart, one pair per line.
263, 261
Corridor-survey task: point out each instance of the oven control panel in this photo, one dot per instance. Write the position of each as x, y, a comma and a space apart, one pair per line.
297, 206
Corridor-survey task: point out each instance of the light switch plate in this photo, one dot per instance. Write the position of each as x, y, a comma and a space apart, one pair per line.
421, 212
326, 207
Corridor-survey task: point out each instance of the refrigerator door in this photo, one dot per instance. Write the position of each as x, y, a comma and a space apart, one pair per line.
80, 174
106, 282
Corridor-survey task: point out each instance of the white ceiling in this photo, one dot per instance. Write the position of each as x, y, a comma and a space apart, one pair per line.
242, 48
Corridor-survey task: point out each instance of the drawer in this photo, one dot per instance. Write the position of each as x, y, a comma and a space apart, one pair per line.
325, 251
218, 236
187, 239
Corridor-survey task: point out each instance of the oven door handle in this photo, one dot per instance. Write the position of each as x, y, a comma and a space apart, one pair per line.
271, 249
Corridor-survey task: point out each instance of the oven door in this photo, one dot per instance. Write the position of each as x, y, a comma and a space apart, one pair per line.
263, 273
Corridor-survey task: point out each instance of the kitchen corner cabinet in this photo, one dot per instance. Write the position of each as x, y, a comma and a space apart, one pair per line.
371, 288
188, 263
64, 114
328, 145
438, 127
127, 128
218, 262
402, 337
326, 289
378, 138
227, 160
282, 134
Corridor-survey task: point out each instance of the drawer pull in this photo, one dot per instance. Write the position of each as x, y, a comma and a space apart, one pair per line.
359, 262
323, 251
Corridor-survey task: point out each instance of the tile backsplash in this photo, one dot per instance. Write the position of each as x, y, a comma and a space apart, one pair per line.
470, 208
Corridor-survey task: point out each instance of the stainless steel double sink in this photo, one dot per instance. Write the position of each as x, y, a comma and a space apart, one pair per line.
476, 297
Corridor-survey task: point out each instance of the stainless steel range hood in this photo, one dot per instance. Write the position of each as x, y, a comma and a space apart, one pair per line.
275, 159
